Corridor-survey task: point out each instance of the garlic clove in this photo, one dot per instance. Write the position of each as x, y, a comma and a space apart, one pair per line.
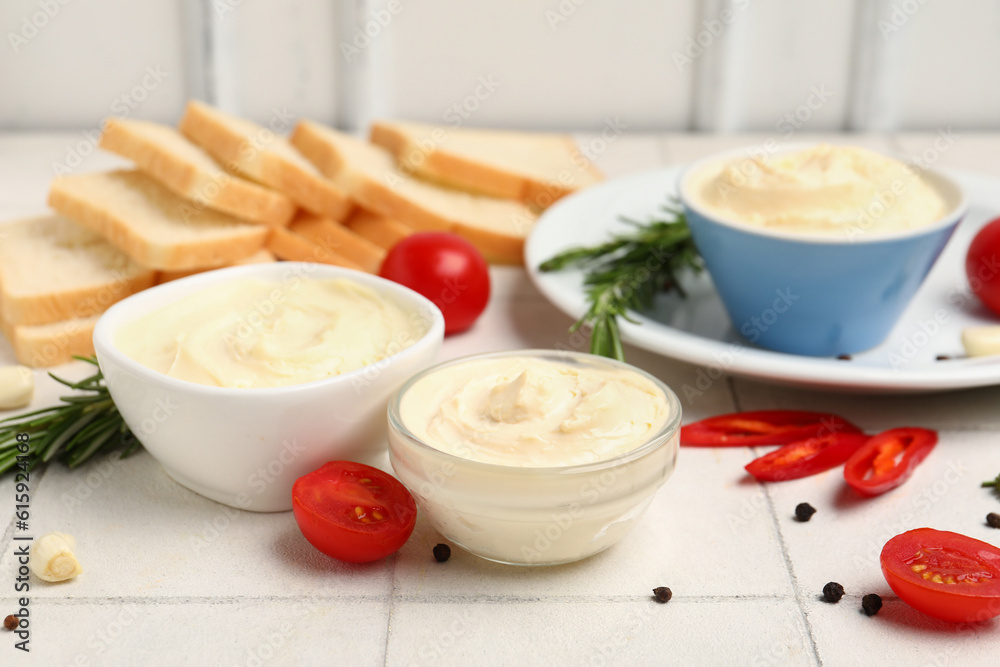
981, 341
17, 385
52, 557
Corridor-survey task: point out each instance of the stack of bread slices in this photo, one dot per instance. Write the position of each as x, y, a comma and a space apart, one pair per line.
220, 191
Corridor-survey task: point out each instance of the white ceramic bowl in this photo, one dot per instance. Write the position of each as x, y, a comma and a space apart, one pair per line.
534, 516
246, 447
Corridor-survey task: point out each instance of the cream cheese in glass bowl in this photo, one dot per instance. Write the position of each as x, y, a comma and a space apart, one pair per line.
534, 457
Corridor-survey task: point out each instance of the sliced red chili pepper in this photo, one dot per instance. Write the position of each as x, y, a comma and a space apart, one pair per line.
763, 427
888, 459
806, 457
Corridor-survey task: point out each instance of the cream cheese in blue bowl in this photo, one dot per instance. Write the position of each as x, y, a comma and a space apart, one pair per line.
817, 250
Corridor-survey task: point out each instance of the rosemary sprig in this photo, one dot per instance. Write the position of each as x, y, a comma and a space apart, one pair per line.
83, 425
626, 272
994, 484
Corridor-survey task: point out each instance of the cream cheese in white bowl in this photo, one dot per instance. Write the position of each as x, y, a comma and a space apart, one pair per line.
534, 457
268, 336
273, 379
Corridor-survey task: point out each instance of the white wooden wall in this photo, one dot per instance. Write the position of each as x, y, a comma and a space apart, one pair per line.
713, 65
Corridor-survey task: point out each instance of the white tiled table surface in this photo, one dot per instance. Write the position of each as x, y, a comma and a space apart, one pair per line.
173, 578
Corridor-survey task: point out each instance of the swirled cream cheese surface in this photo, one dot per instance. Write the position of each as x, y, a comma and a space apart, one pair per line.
532, 412
251, 333
821, 190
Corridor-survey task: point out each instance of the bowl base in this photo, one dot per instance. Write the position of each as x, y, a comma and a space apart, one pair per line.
243, 501
494, 559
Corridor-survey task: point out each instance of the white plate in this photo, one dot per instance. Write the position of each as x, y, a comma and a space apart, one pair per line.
698, 331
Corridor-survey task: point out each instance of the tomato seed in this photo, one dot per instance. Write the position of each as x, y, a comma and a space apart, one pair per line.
662, 594
871, 603
442, 552
804, 511
11, 622
993, 520
833, 591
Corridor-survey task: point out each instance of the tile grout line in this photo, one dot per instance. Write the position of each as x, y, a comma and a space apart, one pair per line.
417, 599
582, 599
791, 574
797, 595
8, 535
663, 150
185, 600
392, 608
733, 395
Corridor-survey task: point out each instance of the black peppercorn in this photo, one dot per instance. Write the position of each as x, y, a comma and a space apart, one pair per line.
833, 591
11, 622
442, 552
804, 511
993, 520
662, 594
871, 603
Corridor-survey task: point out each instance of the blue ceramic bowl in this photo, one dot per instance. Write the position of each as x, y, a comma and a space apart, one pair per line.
815, 295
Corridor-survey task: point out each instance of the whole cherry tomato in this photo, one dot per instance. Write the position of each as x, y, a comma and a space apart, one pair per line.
446, 269
982, 265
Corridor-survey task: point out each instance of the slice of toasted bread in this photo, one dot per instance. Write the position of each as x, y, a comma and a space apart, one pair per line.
52, 269
497, 227
530, 167
262, 256
381, 231
339, 240
46, 345
287, 245
258, 153
151, 224
163, 153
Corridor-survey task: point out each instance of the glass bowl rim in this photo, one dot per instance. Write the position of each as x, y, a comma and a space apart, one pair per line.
655, 441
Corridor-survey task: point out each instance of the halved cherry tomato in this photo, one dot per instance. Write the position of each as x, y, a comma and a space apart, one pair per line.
763, 427
353, 512
806, 457
888, 459
945, 575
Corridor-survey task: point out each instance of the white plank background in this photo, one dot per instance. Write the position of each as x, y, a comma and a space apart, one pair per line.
538, 63
781, 65
655, 65
70, 64
275, 54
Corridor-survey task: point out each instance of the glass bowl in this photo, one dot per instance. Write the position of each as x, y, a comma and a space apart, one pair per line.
533, 515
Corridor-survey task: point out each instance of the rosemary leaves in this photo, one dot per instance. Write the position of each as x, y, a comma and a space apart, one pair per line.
626, 272
87, 422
